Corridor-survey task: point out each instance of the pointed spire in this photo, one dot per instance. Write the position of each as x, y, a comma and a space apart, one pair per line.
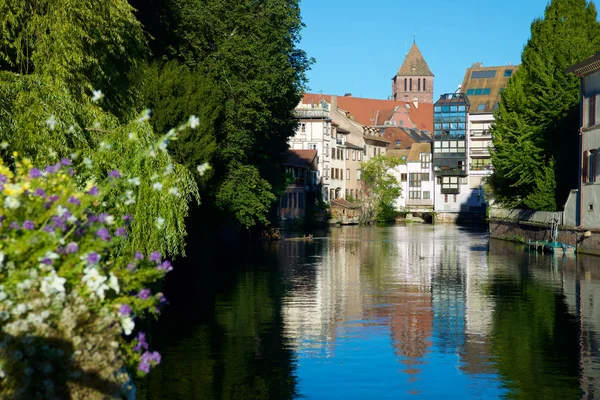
414, 63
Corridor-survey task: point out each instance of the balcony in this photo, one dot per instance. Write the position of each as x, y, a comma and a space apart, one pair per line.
479, 151
480, 133
312, 113
481, 168
450, 190
446, 171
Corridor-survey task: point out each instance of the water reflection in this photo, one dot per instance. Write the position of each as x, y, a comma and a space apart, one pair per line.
385, 312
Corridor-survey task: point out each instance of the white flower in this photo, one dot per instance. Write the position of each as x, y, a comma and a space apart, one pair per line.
109, 220
194, 121
52, 284
71, 129
51, 122
11, 202
134, 181
130, 198
163, 145
3, 295
174, 191
132, 136
1, 258
157, 186
152, 154
127, 324
171, 133
88, 162
4, 145
168, 169
97, 125
113, 283
160, 222
95, 282
154, 177
72, 219
60, 210
145, 116
104, 146
202, 168
97, 95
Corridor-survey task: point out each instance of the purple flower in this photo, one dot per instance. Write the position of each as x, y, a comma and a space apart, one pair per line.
161, 297
71, 172
114, 174
121, 232
14, 225
72, 248
142, 343
35, 173
165, 266
127, 218
125, 310
29, 225
93, 258
53, 198
49, 228
102, 217
147, 360
39, 192
65, 161
94, 191
144, 294
154, 257
47, 261
3, 178
144, 366
52, 169
131, 267
74, 200
139, 255
103, 234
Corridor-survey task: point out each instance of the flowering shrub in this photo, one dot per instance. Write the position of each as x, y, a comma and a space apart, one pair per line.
64, 298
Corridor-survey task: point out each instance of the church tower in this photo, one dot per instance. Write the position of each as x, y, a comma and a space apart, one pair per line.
414, 80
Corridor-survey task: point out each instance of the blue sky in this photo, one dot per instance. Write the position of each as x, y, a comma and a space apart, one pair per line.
359, 45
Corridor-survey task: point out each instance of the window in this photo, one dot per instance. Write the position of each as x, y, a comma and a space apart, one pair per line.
340, 154
359, 155
414, 194
326, 195
403, 177
590, 207
325, 128
483, 74
425, 161
425, 176
415, 180
352, 193
302, 127
333, 153
445, 198
332, 194
353, 155
326, 172
426, 195
508, 73
592, 110
374, 151
410, 85
358, 174
455, 198
398, 142
347, 173
418, 85
481, 107
479, 92
424, 84
347, 192
593, 162
347, 154
405, 84
326, 149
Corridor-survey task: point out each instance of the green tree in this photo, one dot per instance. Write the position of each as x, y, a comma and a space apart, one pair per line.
536, 130
53, 55
380, 189
240, 69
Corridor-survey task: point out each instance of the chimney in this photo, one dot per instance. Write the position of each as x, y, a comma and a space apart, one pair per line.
477, 65
334, 102
348, 95
416, 102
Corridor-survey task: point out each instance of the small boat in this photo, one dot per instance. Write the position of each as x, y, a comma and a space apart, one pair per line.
557, 247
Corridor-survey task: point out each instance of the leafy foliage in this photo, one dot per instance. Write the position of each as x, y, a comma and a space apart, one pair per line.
380, 189
238, 66
536, 130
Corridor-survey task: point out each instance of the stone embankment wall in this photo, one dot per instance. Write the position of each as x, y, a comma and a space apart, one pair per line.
525, 225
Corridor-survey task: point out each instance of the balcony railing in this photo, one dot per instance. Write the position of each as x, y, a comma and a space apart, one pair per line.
479, 151
311, 113
480, 133
450, 190
487, 167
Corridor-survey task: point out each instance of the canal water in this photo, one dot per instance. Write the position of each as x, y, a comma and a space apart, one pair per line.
416, 311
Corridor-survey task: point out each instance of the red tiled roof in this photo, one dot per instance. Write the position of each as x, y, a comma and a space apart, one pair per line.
300, 158
394, 133
365, 110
